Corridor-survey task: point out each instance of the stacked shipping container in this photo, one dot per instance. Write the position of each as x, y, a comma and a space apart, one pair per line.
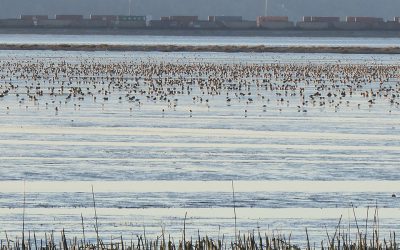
127, 22
132, 18
274, 22
272, 19
34, 17
69, 17
240, 24
213, 22
184, 19
174, 21
363, 19
225, 18
104, 18
327, 19
204, 24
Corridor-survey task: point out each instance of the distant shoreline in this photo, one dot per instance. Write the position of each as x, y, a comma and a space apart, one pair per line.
206, 32
205, 48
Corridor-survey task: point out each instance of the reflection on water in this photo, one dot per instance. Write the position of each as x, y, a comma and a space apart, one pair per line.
198, 40
292, 169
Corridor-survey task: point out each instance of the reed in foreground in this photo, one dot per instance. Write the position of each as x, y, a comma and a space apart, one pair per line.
250, 241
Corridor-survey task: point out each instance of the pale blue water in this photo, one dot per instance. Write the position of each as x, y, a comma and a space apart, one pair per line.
119, 140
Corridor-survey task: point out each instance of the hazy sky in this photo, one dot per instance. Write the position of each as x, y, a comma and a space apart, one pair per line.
247, 8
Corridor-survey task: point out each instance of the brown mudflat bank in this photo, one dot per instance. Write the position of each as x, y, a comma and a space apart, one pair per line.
205, 48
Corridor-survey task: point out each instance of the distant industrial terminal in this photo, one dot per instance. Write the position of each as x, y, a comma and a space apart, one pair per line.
308, 23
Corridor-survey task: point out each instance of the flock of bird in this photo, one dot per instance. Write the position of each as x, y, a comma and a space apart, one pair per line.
298, 86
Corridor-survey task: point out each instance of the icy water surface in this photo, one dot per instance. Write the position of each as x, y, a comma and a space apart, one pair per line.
293, 167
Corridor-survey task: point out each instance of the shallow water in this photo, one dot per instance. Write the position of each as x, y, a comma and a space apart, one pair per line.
291, 169
197, 40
